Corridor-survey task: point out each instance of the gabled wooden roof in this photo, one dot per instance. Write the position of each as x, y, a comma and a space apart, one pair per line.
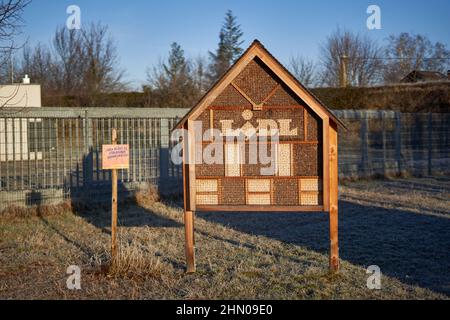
256, 49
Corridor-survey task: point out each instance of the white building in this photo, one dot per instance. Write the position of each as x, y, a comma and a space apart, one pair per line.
14, 133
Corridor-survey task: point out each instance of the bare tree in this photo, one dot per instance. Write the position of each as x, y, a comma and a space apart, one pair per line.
364, 65
100, 61
69, 60
303, 69
407, 52
38, 64
80, 63
11, 23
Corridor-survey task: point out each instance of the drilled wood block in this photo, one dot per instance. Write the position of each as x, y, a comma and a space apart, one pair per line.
283, 97
310, 185
230, 97
207, 186
232, 160
284, 160
257, 81
285, 192
207, 199
232, 191
259, 199
258, 185
309, 198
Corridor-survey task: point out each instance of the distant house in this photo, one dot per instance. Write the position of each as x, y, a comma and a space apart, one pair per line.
425, 76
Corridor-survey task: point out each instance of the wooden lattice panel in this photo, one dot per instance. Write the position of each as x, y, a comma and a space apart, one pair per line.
309, 198
232, 160
258, 185
259, 199
207, 199
284, 160
204, 186
310, 185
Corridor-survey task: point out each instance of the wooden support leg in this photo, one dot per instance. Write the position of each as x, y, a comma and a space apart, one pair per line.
189, 234
334, 200
334, 242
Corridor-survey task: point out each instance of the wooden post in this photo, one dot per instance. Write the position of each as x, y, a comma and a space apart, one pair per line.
398, 142
114, 205
365, 154
334, 194
189, 239
430, 144
189, 199
383, 138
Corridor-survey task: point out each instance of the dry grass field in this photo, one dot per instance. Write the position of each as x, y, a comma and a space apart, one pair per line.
400, 225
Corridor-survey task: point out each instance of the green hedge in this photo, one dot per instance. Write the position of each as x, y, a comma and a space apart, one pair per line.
425, 97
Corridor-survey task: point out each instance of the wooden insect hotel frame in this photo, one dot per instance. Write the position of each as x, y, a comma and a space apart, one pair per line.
259, 97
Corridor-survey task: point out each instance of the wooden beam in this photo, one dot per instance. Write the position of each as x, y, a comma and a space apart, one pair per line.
211, 124
256, 177
246, 97
269, 142
334, 194
189, 241
185, 167
191, 165
305, 124
260, 208
271, 94
326, 163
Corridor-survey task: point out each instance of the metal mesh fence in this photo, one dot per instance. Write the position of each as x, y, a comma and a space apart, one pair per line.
381, 143
48, 155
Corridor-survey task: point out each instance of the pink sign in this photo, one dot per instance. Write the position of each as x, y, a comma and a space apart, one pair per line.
116, 157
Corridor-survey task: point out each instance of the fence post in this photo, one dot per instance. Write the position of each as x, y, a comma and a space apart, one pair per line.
164, 154
365, 161
88, 162
398, 142
430, 143
383, 138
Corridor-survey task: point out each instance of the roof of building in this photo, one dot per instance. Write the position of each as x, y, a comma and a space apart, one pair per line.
421, 75
256, 49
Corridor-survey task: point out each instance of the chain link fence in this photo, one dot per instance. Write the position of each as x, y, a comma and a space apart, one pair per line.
48, 155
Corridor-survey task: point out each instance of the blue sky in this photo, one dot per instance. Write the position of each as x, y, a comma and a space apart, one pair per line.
144, 29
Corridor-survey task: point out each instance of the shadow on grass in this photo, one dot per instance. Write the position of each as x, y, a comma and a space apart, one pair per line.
131, 216
86, 250
414, 248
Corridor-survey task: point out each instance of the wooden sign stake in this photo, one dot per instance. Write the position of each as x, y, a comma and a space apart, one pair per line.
114, 205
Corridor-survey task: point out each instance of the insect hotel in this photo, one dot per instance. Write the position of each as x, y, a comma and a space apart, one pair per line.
274, 147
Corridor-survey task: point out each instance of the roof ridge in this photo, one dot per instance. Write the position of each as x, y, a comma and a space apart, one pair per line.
255, 43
